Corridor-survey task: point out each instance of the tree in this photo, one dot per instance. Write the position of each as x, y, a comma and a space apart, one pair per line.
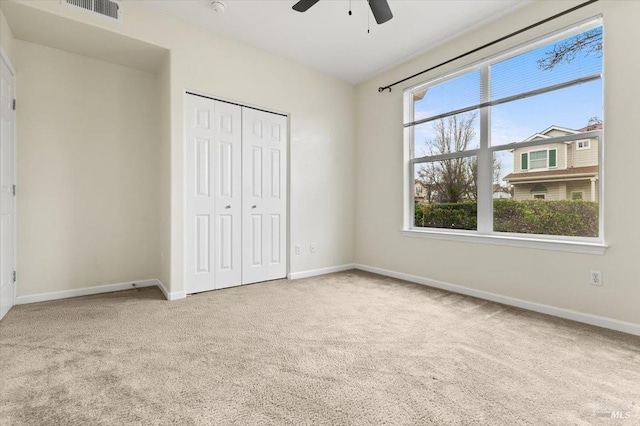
589, 42
594, 123
451, 180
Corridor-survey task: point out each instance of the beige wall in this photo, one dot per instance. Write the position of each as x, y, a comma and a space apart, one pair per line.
88, 167
322, 133
6, 37
509, 271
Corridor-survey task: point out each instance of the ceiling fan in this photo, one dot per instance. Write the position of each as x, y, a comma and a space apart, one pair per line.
380, 9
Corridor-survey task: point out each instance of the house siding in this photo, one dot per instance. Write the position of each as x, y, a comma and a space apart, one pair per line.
583, 186
556, 190
585, 157
517, 154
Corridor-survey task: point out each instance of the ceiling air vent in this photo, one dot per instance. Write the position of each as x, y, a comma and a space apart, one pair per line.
106, 8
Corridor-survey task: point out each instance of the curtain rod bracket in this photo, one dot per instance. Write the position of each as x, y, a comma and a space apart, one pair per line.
382, 89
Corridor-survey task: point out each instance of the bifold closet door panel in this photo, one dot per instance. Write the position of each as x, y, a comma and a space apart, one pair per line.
264, 194
213, 200
228, 195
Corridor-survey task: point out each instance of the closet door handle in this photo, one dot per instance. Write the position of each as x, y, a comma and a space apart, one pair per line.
228, 207
253, 207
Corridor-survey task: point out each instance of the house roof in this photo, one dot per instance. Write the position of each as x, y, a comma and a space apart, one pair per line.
590, 128
562, 173
543, 134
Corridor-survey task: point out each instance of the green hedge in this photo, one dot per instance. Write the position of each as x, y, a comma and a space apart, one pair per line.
447, 215
567, 217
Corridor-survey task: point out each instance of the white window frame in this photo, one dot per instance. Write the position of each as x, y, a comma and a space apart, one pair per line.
586, 144
485, 234
536, 196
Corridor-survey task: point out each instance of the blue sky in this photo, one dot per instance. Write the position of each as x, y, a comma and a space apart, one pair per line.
515, 121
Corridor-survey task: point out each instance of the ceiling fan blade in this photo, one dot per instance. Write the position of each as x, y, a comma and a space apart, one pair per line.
381, 10
304, 5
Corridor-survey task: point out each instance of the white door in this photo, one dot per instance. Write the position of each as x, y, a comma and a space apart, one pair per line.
213, 222
264, 194
7, 182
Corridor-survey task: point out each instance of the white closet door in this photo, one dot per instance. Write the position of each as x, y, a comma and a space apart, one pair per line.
7, 199
264, 194
213, 222
228, 195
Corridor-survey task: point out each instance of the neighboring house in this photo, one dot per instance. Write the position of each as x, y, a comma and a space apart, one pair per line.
420, 192
424, 193
500, 192
558, 171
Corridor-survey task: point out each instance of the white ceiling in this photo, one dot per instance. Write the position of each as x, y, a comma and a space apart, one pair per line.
327, 39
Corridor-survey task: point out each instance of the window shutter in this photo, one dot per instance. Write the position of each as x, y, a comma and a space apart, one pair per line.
525, 161
553, 158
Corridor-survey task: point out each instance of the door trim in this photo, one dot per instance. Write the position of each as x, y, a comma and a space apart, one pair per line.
5, 58
201, 94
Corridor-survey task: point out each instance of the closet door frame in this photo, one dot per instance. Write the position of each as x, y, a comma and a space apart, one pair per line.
287, 184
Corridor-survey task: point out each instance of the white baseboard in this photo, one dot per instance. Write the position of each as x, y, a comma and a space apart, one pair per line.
171, 296
321, 271
596, 320
65, 294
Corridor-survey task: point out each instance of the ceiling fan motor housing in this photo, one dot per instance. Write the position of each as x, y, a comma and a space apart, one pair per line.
379, 8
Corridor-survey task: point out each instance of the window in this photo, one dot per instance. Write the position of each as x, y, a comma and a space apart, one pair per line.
505, 125
538, 159
582, 144
542, 159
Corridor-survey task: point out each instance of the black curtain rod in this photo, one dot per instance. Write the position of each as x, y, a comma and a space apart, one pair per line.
234, 103
484, 46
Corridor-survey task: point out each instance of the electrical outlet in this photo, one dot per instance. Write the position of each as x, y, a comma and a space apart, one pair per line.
298, 249
312, 248
596, 278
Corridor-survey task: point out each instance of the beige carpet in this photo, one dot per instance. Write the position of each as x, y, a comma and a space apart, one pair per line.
348, 348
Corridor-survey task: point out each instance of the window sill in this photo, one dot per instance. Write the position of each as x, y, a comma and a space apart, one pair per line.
511, 241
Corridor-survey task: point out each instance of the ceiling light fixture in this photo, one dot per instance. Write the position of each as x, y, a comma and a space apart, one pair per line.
219, 6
